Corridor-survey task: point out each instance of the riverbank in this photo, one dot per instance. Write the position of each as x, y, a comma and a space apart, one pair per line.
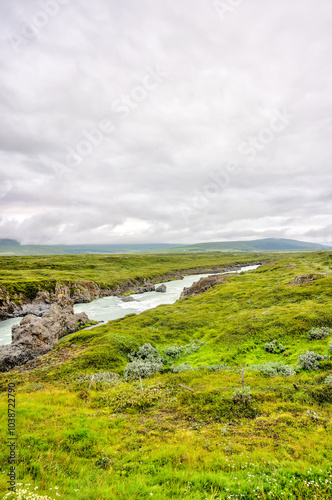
81, 291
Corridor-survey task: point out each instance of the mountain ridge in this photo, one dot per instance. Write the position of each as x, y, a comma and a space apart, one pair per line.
13, 247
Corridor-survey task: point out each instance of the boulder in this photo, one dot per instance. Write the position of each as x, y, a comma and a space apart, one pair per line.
146, 288
128, 299
202, 285
162, 288
35, 335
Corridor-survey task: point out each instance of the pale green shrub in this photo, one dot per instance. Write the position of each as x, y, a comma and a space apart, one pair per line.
319, 333
184, 367
102, 378
242, 395
309, 360
328, 380
274, 347
140, 368
176, 351
274, 369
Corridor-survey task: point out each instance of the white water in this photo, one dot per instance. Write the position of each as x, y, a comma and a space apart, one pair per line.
112, 307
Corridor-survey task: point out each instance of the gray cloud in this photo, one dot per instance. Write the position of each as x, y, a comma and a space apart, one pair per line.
185, 95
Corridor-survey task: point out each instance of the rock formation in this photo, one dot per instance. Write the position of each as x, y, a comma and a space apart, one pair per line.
203, 284
162, 288
35, 336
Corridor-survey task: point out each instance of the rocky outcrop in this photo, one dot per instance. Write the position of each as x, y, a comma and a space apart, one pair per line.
145, 288
162, 288
85, 291
306, 279
35, 336
203, 285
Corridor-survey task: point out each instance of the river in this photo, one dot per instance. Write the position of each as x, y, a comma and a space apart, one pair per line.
112, 307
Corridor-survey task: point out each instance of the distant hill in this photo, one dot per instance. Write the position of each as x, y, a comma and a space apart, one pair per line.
266, 244
13, 247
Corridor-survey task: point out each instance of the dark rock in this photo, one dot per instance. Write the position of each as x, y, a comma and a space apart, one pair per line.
162, 288
203, 284
146, 288
35, 336
128, 299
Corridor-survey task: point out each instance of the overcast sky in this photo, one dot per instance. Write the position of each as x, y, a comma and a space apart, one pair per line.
165, 121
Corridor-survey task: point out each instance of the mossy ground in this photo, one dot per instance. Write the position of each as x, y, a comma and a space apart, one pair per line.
117, 442
26, 275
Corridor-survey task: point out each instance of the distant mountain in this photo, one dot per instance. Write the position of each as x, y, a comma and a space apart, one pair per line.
266, 245
13, 247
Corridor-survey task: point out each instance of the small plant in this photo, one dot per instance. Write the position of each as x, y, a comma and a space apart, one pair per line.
309, 360
103, 462
319, 333
328, 380
144, 363
176, 351
184, 367
146, 353
216, 368
312, 414
242, 395
101, 379
142, 369
274, 347
274, 369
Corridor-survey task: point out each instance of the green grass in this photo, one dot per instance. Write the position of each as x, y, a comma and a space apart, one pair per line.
117, 442
23, 277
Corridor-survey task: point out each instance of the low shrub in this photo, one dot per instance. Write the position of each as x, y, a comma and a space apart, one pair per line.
319, 333
176, 351
309, 360
144, 362
140, 368
242, 396
274, 369
215, 368
328, 380
132, 398
184, 367
274, 347
100, 379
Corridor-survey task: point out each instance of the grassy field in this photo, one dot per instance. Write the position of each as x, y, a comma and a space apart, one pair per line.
27, 275
115, 442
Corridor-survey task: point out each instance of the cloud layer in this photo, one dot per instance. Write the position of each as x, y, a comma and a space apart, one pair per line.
154, 121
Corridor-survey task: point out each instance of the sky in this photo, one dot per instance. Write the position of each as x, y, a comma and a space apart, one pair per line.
165, 121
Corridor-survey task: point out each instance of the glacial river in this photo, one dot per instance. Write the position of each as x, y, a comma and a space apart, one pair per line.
112, 307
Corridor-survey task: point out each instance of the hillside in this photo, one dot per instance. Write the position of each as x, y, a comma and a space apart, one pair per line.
270, 441
265, 245
13, 247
